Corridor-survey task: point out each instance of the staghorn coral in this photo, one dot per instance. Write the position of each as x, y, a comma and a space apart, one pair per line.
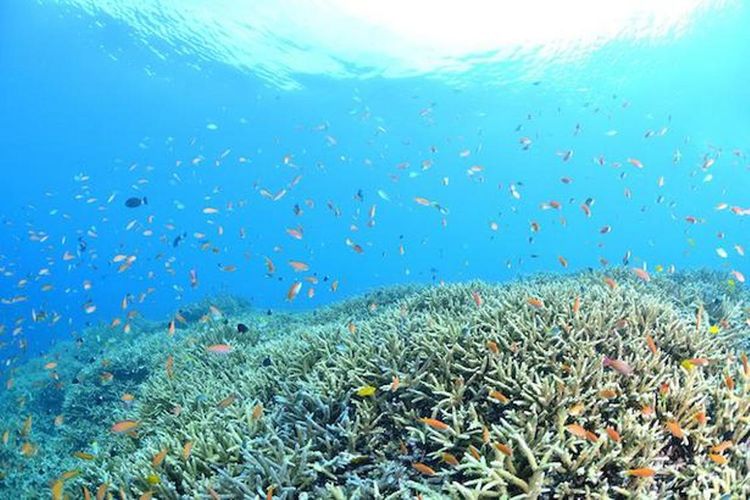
505, 372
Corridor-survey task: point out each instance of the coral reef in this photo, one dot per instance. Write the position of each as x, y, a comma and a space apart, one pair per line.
599, 385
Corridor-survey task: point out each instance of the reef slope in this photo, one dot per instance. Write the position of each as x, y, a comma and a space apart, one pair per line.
459, 391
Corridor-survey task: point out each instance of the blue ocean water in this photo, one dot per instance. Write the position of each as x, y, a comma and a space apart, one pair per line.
102, 102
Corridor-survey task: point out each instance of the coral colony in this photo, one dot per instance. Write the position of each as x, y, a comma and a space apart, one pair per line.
601, 385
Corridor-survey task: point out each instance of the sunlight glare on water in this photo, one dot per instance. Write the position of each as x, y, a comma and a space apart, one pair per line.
392, 38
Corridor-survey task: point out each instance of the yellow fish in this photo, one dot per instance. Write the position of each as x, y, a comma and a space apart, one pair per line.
366, 391
713, 329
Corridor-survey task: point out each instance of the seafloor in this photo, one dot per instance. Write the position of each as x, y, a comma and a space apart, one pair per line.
459, 391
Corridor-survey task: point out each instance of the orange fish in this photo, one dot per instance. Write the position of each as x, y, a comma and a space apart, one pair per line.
576, 430
422, 201
435, 423
169, 366
651, 344
50, 366
257, 412
635, 162
187, 449
449, 458
219, 348
424, 469
504, 449
57, 490
124, 426
159, 457
718, 459
535, 302
294, 233
698, 361
226, 402
28, 449
477, 298
499, 396
608, 393
293, 290
641, 472
722, 447
395, 382
642, 274
563, 261
171, 329
474, 452
101, 491
492, 347
576, 306
618, 365
299, 266
613, 434
270, 268
612, 284
700, 417
675, 429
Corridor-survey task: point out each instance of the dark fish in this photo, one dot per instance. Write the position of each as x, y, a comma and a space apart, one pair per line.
266, 362
178, 239
242, 328
136, 202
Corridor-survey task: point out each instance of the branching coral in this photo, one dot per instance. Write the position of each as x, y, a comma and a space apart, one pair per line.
467, 390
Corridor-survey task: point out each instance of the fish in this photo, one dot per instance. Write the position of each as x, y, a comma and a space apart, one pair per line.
535, 302
395, 383
576, 430
157, 459
435, 423
83, 455
299, 266
499, 396
226, 402
651, 344
618, 365
219, 349
57, 489
135, 202
477, 298
423, 469
187, 448
449, 458
124, 426
257, 412
504, 449
642, 274
722, 447
294, 290
366, 391
492, 347
613, 434
641, 472
674, 428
